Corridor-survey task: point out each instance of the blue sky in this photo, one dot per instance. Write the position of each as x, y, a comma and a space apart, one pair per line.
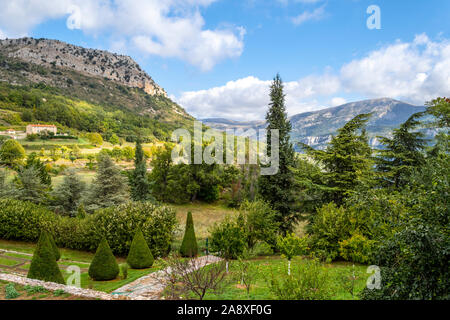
216, 57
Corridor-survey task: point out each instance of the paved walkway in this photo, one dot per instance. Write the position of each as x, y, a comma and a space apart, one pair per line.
151, 286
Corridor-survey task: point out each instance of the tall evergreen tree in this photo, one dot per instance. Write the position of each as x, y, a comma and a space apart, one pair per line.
67, 195
109, 187
347, 161
402, 153
34, 161
277, 189
189, 244
28, 186
140, 186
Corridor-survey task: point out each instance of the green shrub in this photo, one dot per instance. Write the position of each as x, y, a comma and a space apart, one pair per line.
104, 265
34, 289
54, 247
43, 265
189, 245
140, 256
124, 270
228, 239
11, 292
331, 224
357, 249
309, 281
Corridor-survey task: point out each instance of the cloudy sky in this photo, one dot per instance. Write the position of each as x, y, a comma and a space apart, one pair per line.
217, 57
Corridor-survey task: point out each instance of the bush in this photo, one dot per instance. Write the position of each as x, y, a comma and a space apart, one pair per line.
11, 292
22, 221
104, 266
140, 256
310, 281
357, 249
228, 239
124, 270
43, 265
189, 245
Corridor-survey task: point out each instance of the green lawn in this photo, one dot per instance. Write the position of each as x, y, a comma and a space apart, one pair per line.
8, 262
277, 266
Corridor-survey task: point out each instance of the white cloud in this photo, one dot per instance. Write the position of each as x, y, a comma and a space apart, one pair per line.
170, 28
415, 72
305, 16
337, 101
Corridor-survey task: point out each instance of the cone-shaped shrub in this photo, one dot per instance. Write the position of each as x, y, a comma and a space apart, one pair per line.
189, 245
140, 256
104, 265
43, 265
54, 247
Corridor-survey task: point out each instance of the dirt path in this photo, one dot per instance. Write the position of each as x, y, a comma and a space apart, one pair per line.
151, 286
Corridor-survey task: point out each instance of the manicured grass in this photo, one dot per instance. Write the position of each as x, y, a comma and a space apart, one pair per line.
276, 266
66, 254
8, 262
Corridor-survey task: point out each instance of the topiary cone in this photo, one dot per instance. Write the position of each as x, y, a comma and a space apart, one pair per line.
54, 247
140, 256
104, 265
189, 245
43, 265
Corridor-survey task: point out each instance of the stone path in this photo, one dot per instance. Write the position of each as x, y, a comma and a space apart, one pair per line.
151, 286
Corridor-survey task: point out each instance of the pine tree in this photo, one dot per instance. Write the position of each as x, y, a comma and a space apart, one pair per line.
140, 256
67, 195
401, 153
277, 189
347, 161
43, 265
104, 266
29, 187
109, 188
189, 245
34, 161
140, 186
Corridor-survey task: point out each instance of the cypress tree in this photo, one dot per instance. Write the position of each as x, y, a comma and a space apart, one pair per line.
55, 249
277, 189
139, 181
104, 265
43, 265
189, 245
140, 256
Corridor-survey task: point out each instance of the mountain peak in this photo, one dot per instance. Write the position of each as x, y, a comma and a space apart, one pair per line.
92, 62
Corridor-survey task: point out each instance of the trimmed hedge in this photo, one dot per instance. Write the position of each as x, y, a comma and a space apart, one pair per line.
23, 221
189, 246
104, 266
140, 256
55, 249
43, 265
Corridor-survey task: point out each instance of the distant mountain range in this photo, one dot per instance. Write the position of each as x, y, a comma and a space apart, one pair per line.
317, 127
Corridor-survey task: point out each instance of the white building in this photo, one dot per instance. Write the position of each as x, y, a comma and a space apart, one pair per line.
38, 128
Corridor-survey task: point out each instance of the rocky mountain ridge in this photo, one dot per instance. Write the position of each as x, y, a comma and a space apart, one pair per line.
91, 62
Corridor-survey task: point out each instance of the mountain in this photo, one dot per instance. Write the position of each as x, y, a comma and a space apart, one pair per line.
224, 124
106, 80
317, 127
